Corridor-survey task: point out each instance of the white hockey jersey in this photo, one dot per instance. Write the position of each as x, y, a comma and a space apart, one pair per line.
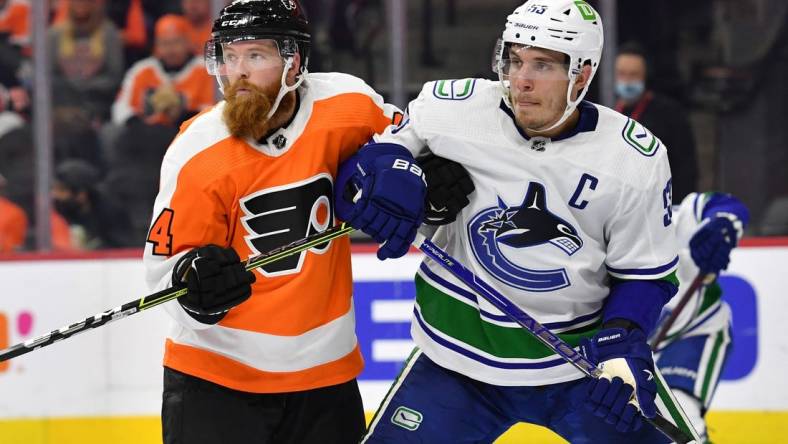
550, 222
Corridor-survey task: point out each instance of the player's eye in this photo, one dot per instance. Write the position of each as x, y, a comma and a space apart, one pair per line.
230, 58
543, 66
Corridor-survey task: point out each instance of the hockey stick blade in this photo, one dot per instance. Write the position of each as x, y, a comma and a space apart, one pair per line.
166, 295
544, 335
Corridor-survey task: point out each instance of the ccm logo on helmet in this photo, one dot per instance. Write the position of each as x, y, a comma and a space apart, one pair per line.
241, 21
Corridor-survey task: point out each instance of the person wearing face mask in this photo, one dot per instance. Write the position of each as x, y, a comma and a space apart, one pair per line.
660, 114
95, 220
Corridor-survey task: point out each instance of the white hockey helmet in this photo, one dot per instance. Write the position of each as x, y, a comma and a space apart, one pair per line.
571, 27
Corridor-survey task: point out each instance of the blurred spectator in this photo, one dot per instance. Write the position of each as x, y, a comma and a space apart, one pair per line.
662, 115
168, 87
14, 39
198, 13
13, 223
14, 98
87, 52
75, 136
133, 176
15, 22
16, 160
16, 164
129, 17
96, 220
61, 233
9, 120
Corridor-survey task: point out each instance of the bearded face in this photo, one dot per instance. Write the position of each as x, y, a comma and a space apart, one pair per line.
247, 108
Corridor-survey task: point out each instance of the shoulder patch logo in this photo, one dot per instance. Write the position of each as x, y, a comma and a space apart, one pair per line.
639, 138
496, 232
454, 89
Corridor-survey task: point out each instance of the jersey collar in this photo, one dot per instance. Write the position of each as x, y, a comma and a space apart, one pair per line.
589, 116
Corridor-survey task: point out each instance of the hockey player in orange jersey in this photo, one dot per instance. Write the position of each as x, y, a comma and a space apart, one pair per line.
168, 85
269, 356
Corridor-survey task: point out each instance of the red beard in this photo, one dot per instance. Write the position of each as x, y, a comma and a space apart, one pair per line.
246, 115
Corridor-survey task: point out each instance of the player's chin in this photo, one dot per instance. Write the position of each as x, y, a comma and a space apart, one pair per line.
529, 120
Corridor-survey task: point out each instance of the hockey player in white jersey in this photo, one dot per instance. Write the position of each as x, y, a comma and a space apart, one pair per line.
692, 355
570, 219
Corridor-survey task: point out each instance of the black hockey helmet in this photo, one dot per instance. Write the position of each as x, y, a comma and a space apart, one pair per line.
282, 20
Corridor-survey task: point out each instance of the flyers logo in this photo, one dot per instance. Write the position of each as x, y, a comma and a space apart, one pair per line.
280, 215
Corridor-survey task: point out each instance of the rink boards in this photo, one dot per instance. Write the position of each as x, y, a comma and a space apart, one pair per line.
105, 385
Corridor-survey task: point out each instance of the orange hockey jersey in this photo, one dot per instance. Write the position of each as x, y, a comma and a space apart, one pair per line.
192, 82
297, 330
15, 21
13, 226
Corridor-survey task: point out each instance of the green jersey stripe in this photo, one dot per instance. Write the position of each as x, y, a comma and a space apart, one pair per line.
462, 323
704, 392
711, 295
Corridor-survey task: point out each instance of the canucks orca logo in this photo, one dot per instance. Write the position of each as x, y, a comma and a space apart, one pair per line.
524, 226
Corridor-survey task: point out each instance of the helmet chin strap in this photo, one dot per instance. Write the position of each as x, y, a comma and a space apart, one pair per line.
571, 105
284, 89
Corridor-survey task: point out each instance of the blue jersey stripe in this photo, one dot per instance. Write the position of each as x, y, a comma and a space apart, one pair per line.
645, 271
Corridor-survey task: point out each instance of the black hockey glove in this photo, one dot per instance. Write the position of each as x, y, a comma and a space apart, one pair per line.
217, 281
448, 188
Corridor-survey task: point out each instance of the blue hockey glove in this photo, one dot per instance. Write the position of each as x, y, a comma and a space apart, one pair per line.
448, 188
626, 357
380, 191
711, 245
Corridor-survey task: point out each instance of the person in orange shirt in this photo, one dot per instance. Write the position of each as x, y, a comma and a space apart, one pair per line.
198, 13
13, 223
15, 22
268, 355
169, 86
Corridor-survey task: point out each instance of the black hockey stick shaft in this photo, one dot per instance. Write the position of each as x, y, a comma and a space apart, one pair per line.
166, 295
665, 328
540, 332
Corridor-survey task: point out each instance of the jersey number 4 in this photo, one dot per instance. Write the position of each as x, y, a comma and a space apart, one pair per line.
161, 233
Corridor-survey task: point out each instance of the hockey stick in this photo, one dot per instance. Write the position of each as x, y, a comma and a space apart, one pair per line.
166, 295
699, 280
541, 333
